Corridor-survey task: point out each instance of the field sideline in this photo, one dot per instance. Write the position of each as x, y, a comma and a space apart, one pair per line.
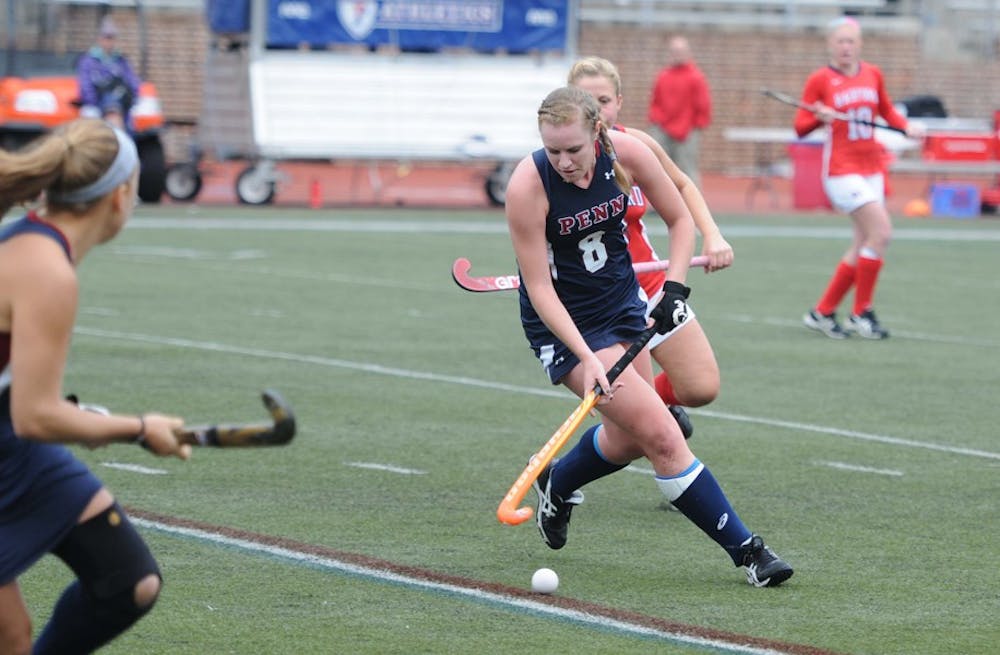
872, 467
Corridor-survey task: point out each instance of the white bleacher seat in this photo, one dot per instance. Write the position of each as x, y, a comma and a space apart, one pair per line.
330, 105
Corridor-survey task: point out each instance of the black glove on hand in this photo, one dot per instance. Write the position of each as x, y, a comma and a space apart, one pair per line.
672, 310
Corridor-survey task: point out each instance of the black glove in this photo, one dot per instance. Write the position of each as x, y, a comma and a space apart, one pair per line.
672, 310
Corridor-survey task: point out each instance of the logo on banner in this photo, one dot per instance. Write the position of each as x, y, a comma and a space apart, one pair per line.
357, 18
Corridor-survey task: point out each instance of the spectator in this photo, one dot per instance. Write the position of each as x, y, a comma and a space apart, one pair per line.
108, 85
680, 107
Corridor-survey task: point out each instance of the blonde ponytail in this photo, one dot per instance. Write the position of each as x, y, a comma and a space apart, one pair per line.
569, 103
73, 155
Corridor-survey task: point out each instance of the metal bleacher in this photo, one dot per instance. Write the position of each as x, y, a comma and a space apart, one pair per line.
403, 106
790, 14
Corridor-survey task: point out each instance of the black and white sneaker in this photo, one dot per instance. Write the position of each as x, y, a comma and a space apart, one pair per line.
825, 323
762, 566
866, 325
552, 513
683, 420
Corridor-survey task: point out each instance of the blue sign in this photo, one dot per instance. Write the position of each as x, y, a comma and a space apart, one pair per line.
228, 16
420, 25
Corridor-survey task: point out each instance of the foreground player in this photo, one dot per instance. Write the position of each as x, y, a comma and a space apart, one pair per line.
581, 306
690, 374
49, 501
854, 169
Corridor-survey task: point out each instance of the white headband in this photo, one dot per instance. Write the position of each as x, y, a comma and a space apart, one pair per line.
118, 173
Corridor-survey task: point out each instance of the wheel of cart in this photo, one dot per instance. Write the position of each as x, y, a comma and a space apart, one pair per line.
183, 181
496, 183
256, 184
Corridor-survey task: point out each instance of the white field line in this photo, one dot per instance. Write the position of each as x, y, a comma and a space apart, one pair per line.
511, 602
864, 436
134, 468
498, 386
499, 226
917, 336
843, 466
359, 280
837, 465
312, 359
385, 467
356, 280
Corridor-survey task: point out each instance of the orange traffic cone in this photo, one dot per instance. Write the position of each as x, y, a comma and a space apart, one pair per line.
917, 208
315, 194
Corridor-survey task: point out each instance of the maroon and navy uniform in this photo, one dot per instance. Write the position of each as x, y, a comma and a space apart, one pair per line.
43, 487
590, 266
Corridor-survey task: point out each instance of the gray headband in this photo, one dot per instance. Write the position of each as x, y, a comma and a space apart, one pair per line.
118, 173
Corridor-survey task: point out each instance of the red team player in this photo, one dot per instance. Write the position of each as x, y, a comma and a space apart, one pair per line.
854, 168
690, 374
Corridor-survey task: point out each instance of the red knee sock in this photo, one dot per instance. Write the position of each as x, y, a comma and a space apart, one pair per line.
664, 389
837, 288
868, 270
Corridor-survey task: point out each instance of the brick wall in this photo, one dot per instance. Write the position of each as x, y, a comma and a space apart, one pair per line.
736, 63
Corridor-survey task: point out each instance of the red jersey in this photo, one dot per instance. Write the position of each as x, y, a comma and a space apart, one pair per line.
850, 147
639, 246
681, 101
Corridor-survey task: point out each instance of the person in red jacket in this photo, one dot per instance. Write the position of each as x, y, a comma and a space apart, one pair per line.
838, 96
680, 107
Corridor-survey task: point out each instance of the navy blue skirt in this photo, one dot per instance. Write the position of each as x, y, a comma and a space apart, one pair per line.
43, 491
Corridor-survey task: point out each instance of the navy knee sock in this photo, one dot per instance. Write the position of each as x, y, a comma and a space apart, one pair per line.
81, 623
583, 464
697, 494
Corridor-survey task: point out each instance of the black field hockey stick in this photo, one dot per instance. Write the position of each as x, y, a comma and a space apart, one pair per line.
278, 432
789, 100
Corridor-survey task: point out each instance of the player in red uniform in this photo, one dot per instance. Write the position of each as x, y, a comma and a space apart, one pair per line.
690, 374
854, 167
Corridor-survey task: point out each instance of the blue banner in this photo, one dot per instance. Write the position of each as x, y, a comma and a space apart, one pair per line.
420, 25
228, 16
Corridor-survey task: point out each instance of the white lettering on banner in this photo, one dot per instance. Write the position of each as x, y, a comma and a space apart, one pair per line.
293, 10
446, 15
978, 146
541, 18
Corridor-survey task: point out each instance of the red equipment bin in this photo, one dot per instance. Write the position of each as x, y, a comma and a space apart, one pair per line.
960, 147
807, 176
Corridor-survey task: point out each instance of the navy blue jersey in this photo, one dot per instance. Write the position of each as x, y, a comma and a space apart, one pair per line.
43, 487
590, 265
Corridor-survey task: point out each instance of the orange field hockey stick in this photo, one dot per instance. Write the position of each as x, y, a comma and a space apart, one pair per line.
510, 512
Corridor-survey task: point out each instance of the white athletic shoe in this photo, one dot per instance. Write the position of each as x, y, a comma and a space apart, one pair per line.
825, 323
866, 325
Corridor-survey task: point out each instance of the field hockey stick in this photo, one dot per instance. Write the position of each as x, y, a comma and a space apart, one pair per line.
509, 512
460, 273
248, 435
789, 100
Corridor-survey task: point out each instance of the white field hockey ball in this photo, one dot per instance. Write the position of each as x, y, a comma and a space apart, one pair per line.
544, 581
